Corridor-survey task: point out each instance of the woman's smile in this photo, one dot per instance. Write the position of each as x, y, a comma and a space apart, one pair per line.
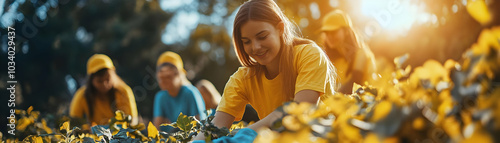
261, 55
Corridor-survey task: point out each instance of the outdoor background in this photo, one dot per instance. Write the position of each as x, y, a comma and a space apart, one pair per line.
55, 38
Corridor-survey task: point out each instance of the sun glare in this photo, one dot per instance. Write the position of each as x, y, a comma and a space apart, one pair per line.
396, 16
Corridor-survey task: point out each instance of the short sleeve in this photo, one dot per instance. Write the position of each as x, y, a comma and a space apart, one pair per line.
233, 99
196, 102
312, 69
126, 101
158, 111
78, 104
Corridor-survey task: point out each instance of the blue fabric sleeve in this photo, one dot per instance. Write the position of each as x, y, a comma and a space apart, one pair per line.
157, 108
245, 135
198, 105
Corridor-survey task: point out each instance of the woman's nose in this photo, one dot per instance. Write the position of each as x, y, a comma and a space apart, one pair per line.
255, 47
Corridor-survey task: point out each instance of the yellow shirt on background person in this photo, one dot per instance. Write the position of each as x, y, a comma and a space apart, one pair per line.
124, 98
360, 60
265, 95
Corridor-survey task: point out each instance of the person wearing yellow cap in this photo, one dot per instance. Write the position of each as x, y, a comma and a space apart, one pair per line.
177, 94
278, 66
104, 93
354, 61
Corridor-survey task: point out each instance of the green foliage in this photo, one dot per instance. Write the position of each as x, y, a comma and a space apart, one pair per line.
118, 130
212, 132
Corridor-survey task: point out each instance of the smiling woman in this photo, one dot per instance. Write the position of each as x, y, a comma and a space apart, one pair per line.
263, 46
278, 67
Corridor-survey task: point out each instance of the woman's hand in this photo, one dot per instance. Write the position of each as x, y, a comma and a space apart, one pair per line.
309, 96
267, 121
221, 119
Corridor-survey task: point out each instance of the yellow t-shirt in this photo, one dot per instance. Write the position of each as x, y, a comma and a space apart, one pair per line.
265, 95
362, 61
124, 99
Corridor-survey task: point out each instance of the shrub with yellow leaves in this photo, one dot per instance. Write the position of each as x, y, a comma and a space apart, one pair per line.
450, 102
32, 128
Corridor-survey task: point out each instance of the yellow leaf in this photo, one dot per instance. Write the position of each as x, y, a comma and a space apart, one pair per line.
487, 39
291, 123
119, 115
266, 135
355, 87
152, 131
300, 136
172, 139
114, 132
297, 108
381, 110
347, 131
479, 136
445, 107
38, 140
239, 125
450, 64
29, 110
419, 123
45, 127
72, 137
371, 138
23, 123
65, 126
452, 127
479, 11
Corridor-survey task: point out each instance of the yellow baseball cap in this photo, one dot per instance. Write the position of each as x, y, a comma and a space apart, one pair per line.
173, 58
98, 62
334, 20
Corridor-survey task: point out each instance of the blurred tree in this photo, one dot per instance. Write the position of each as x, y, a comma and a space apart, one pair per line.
54, 39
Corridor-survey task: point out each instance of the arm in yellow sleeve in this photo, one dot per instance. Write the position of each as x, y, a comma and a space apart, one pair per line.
126, 102
78, 105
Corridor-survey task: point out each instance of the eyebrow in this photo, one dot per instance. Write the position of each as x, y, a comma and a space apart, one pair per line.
255, 34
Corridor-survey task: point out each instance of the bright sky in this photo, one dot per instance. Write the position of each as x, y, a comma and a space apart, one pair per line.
396, 16
187, 19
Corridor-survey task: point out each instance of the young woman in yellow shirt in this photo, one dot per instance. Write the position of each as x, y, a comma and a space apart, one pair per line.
354, 61
104, 93
278, 66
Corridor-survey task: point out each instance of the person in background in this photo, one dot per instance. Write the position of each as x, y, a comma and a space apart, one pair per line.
212, 98
278, 66
177, 94
354, 61
210, 95
104, 93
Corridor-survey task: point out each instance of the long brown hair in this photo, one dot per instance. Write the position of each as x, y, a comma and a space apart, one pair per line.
268, 11
90, 92
357, 43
